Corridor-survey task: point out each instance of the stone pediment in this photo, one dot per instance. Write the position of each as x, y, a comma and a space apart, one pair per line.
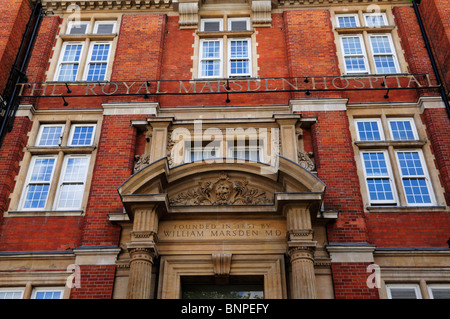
201, 188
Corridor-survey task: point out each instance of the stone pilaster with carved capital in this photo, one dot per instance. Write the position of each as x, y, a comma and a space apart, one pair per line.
143, 250
303, 281
301, 249
140, 279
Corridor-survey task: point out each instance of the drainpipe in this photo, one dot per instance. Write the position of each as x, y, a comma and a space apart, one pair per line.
430, 53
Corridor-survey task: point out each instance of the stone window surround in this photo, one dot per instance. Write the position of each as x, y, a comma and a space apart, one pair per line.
88, 38
68, 118
225, 36
365, 32
385, 112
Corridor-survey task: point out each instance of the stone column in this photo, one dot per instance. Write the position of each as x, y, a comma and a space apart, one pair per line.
288, 135
139, 283
143, 251
301, 251
303, 283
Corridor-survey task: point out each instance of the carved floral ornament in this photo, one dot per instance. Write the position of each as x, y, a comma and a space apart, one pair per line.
222, 191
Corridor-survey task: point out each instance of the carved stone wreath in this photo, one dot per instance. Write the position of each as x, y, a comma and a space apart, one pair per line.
222, 191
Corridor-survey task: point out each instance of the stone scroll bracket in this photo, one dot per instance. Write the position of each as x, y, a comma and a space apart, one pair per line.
222, 267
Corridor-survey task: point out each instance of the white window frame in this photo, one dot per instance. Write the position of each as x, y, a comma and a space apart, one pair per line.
364, 53
426, 176
27, 182
61, 56
380, 128
413, 127
41, 130
431, 286
391, 44
220, 59
390, 176
89, 57
47, 289
192, 147
247, 21
355, 15
13, 290
113, 22
383, 14
72, 23
414, 286
236, 145
249, 43
62, 182
72, 131
202, 24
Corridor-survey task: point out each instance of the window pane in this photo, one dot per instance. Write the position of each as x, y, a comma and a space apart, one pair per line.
368, 131
416, 191
238, 49
105, 28
239, 25
385, 64
403, 293
82, 135
211, 26
42, 170
239, 67
347, 22
410, 164
374, 20
78, 29
10, 294
50, 136
68, 72
354, 64
402, 130
381, 44
48, 295
76, 169
375, 164
440, 293
100, 52
96, 72
72, 53
210, 68
36, 196
71, 196
352, 45
380, 189
211, 49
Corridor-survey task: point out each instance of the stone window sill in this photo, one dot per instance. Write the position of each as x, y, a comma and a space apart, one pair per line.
405, 209
44, 213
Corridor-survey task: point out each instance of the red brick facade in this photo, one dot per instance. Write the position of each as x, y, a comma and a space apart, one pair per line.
298, 43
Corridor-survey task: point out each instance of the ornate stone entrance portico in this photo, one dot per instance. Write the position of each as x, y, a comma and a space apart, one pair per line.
221, 220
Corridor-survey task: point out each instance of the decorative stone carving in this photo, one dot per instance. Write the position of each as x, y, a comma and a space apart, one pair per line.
222, 191
262, 13
140, 161
188, 15
304, 160
107, 4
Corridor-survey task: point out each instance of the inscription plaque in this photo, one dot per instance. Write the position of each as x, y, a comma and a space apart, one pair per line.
222, 230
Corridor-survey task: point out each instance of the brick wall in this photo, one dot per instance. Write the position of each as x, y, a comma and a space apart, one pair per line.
97, 282
114, 164
336, 167
15, 15
436, 19
350, 281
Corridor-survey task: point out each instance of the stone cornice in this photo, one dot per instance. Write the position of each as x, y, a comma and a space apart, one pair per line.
64, 5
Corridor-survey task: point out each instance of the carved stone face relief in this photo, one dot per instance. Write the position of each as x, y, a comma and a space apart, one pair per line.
222, 191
